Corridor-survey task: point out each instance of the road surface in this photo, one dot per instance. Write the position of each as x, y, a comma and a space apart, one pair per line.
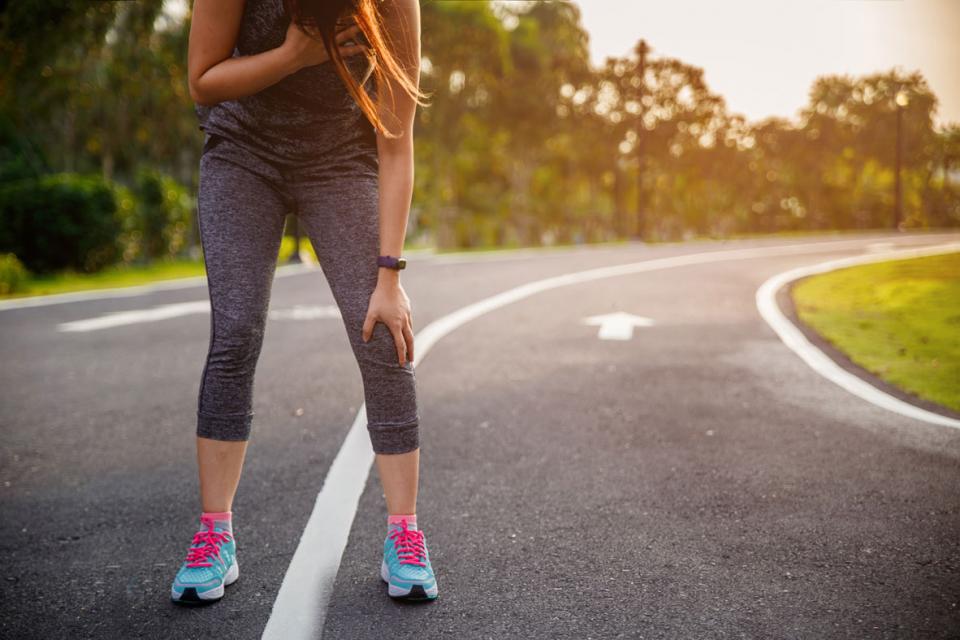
679, 475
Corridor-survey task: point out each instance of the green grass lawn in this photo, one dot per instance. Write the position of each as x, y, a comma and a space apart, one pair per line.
128, 276
899, 320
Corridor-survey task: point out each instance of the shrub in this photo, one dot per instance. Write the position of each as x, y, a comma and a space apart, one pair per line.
128, 214
13, 275
163, 219
60, 221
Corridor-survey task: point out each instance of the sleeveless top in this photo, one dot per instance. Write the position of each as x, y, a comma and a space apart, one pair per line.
306, 117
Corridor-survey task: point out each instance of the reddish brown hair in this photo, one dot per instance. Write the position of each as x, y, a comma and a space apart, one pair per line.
325, 17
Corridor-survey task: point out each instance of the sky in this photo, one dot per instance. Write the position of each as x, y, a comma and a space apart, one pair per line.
762, 56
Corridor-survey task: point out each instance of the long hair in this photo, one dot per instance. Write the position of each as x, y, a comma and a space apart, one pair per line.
325, 16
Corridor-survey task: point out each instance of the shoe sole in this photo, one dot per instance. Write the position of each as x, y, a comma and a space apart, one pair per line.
413, 592
191, 596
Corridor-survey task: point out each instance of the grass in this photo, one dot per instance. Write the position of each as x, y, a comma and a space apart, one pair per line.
120, 276
133, 275
900, 320
128, 275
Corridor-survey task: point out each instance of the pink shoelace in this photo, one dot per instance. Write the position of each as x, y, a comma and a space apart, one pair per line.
409, 544
211, 541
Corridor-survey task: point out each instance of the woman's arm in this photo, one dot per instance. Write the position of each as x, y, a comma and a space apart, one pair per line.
215, 76
402, 21
397, 110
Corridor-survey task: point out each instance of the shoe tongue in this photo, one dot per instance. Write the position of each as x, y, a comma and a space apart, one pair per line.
223, 525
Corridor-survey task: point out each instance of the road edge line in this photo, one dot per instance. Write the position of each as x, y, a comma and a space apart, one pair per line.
131, 291
310, 583
817, 359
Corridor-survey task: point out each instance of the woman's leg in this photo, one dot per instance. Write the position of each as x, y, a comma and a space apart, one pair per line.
219, 463
399, 475
341, 218
241, 216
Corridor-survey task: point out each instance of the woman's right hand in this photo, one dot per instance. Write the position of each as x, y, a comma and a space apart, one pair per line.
307, 49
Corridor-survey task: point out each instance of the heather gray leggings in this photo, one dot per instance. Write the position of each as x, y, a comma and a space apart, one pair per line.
242, 203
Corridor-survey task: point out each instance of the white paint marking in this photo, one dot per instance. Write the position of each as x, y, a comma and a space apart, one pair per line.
176, 310
121, 318
306, 312
301, 605
817, 359
617, 326
429, 255
129, 292
878, 247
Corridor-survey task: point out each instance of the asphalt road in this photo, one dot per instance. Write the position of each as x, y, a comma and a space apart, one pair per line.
695, 481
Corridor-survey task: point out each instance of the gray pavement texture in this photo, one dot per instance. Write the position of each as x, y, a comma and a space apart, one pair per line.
696, 481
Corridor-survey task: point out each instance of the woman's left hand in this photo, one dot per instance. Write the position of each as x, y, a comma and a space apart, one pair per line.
390, 305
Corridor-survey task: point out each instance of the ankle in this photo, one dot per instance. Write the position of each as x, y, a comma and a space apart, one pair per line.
222, 519
398, 520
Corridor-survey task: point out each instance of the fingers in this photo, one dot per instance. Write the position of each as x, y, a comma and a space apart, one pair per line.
408, 336
368, 327
348, 33
349, 38
353, 49
399, 342
402, 338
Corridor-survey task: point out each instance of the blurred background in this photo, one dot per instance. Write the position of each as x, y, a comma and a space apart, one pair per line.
552, 123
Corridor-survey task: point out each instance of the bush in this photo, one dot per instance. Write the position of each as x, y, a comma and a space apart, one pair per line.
129, 215
163, 219
13, 275
60, 221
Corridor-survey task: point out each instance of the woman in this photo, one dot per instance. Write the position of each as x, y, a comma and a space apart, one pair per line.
308, 107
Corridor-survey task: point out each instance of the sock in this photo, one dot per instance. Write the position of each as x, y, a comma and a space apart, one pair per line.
221, 519
396, 520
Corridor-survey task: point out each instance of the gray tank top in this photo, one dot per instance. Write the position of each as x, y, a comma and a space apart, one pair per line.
307, 116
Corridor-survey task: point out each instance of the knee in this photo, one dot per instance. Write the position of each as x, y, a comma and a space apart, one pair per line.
395, 437
380, 351
237, 341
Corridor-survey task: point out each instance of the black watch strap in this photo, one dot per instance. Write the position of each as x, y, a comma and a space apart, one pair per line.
392, 262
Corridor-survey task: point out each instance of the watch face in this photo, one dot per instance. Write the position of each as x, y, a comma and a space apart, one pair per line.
401, 263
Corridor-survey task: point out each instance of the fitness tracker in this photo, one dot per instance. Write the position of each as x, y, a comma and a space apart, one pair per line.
392, 262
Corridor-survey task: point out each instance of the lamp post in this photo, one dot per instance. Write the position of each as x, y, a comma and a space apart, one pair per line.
642, 49
295, 256
901, 100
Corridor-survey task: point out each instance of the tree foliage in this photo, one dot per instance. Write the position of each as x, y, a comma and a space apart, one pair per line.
524, 141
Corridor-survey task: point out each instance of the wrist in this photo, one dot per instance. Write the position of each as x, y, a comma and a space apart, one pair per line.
387, 275
289, 60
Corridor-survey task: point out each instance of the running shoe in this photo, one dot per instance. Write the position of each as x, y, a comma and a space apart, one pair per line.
211, 564
406, 564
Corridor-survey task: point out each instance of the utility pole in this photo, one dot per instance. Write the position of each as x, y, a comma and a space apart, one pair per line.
901, 101
642, 49
295, 256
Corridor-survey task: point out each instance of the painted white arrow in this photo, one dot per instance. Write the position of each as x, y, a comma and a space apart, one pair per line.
617, 326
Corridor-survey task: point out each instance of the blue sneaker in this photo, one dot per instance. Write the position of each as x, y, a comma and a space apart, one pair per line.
406, 564
211, 564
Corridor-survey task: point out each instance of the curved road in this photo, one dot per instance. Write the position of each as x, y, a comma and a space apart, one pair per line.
679, 475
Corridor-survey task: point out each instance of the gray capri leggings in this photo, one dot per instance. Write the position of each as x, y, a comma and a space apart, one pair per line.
242, 203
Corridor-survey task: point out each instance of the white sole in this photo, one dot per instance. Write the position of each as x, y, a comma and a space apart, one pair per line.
215, 594
399, 592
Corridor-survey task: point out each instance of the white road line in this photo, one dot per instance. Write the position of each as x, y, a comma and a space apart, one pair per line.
129, 292
179, 309
297, 269
301, 605
282, 271
306, 312
817, 359
136, 316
